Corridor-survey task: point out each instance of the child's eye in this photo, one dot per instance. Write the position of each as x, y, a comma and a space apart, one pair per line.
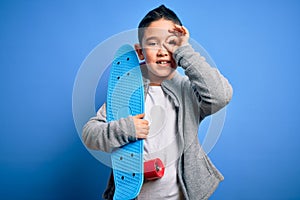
172, 42
152, 43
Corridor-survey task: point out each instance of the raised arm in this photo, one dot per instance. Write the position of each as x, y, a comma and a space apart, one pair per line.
210, 86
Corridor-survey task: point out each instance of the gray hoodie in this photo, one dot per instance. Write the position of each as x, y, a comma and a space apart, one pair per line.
202, 92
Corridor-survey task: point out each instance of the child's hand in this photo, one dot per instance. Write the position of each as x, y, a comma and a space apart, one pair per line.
141, 126
180, 38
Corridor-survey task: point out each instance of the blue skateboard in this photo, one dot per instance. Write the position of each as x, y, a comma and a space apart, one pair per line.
125, 97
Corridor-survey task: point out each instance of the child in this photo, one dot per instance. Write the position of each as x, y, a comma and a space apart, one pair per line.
174, 107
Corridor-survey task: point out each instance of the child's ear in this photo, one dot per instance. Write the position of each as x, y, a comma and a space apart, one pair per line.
139, 51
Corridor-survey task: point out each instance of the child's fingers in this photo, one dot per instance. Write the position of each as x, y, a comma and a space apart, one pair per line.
140, 116
176, 32
179, 31
141, 136
145, 122
139, 119
142, 132
141, 126
182, 36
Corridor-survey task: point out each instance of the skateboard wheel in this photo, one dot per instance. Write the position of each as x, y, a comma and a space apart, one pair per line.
153, 169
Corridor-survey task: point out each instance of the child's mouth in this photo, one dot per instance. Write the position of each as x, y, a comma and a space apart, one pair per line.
162, 62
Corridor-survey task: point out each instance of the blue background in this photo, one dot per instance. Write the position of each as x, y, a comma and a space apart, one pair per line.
43, 43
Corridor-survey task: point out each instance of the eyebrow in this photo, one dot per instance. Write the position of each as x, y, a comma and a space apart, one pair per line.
157, 38
151, 38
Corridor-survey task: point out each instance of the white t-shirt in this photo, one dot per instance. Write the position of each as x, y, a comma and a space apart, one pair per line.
161, 143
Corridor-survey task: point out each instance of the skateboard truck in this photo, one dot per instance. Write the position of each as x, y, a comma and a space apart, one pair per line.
153, 169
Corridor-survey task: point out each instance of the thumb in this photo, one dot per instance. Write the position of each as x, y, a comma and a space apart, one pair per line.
140, 116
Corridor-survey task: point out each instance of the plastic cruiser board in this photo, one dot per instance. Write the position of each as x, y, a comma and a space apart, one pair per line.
125, 96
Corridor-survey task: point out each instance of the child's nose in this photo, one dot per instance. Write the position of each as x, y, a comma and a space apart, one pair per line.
162, 51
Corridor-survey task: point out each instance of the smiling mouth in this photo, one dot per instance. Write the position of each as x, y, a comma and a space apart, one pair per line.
163, 62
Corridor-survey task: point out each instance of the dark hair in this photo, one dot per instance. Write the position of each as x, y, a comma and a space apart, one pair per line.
161, 12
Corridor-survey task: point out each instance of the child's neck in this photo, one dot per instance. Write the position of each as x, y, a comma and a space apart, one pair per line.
154, 84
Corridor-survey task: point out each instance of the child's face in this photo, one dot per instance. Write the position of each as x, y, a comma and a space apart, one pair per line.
159, 60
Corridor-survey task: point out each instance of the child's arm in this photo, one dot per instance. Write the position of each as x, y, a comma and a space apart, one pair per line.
210, 86
98, 134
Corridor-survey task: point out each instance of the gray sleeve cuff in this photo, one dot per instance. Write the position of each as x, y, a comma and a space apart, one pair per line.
181, 55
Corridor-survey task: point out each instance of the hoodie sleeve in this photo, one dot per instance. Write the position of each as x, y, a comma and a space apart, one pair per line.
98, 134
211, 88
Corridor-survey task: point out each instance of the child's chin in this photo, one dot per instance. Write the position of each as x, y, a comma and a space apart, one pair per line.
167, 73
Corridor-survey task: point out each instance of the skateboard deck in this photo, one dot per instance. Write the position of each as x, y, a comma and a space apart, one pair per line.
125, 97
